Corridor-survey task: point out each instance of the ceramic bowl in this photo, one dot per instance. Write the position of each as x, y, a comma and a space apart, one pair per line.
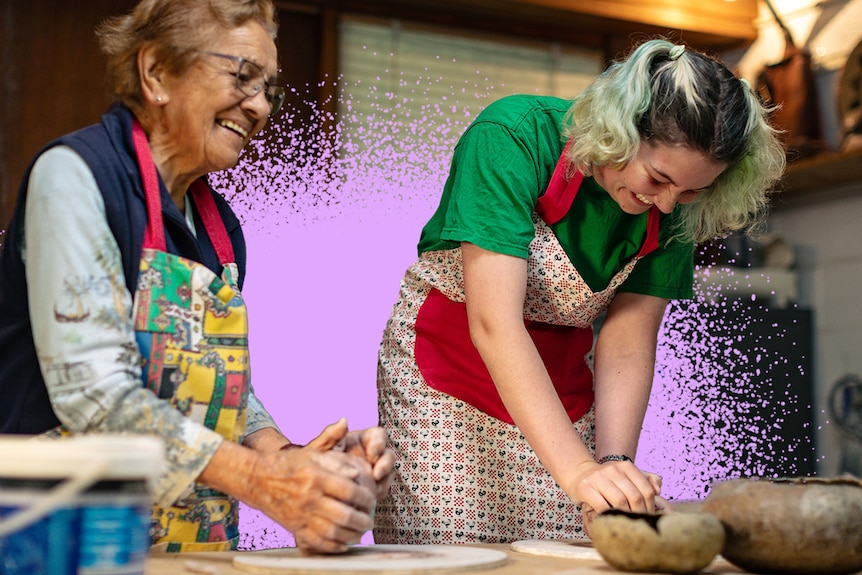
671, 542
790, 526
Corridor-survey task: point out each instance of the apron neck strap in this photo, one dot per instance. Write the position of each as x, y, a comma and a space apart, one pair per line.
557, 200
213, 224
154, 235
651, 239
554, 204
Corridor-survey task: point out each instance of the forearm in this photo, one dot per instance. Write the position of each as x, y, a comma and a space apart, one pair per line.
624, 366
623, 381
231, 470
532, 401
494, 287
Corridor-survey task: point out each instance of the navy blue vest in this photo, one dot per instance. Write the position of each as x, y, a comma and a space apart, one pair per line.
107, 149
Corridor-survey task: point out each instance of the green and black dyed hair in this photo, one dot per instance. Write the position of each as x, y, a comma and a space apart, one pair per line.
667, 93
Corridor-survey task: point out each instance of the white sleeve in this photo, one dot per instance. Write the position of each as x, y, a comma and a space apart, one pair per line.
257, 416
80, 311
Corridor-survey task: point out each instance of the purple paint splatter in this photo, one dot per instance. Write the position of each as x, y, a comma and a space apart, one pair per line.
332, 217
722, 396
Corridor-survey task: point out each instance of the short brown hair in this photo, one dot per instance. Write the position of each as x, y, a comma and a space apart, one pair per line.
177, 28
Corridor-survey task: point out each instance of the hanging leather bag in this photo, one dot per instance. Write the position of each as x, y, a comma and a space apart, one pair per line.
790, 84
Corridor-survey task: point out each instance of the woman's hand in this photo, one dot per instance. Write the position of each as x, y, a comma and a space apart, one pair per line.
325, 498
633, 490
615, 485
321, 494
370, 444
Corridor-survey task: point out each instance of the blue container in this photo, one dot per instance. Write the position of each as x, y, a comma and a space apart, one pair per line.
78, 506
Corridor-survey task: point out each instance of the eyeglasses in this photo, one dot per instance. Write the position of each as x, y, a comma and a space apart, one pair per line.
250, 80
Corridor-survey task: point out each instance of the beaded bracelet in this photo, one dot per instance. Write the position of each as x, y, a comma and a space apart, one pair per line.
608, 458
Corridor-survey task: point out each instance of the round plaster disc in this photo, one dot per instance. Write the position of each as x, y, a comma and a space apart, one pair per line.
557, 548
389, 559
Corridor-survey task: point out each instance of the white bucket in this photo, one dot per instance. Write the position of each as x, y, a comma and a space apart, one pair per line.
77, 506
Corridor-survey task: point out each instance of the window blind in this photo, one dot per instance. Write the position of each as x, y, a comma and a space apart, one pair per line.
402, 77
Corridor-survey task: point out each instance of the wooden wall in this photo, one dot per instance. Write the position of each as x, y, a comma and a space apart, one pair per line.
52, 78
53, 73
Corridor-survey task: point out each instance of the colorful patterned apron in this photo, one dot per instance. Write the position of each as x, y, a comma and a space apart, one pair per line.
191, 326
464, 472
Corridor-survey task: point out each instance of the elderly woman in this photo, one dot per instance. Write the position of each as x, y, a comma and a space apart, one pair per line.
120, 302
554, 213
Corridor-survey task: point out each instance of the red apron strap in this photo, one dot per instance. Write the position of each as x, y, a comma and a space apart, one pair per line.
554, 204
651, 240
214, 225
154, 235
557, 200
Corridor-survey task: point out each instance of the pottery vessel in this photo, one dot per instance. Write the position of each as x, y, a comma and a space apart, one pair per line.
667, 543
788, 526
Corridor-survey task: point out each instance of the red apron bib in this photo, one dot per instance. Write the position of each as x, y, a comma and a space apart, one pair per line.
559, 311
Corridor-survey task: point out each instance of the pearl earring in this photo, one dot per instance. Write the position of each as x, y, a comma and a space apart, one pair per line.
158, 98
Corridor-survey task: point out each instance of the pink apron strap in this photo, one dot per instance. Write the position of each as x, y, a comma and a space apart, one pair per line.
557, 200
154, 235
651, 240
554, 204
214, 225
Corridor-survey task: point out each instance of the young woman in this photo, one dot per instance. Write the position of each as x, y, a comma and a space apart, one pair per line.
504, 416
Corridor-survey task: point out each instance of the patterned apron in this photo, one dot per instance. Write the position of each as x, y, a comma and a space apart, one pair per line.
191, 326
464, 472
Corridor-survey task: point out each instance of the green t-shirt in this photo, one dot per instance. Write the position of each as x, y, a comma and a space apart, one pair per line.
503, 163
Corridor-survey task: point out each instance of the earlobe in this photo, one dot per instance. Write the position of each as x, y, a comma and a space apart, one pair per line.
151, 74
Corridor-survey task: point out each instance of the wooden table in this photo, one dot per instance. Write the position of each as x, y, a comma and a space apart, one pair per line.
516, 564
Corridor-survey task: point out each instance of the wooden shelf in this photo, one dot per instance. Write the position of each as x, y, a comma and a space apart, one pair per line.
712, 24
824, 176
722, 21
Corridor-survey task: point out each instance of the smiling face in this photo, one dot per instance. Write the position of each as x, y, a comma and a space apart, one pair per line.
660, 174
205, 121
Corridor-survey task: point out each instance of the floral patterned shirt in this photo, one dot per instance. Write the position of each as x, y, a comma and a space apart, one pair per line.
80, 311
